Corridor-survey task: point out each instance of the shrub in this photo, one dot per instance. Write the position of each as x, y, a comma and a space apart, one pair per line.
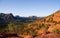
56, 30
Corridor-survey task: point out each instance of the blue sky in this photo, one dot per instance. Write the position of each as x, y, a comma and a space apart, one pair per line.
29, 7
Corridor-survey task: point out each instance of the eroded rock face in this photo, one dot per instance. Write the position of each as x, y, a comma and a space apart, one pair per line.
28, 36
25, 36
49, 36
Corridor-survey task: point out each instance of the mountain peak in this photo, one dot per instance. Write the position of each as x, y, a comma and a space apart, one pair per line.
6, 16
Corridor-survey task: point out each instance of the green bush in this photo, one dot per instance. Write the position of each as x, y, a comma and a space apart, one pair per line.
56, 30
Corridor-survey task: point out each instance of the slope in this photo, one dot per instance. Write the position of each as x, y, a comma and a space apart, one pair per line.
49, 24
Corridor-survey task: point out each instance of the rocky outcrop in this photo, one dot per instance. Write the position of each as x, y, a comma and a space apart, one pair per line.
51, 35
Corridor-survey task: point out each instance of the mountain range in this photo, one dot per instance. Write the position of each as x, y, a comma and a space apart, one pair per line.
11, 17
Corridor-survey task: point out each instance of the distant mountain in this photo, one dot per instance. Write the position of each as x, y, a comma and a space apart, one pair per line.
27, 19
7, 17
11, 17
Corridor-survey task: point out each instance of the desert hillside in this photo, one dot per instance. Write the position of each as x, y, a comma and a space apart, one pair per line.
47, 25
31, 27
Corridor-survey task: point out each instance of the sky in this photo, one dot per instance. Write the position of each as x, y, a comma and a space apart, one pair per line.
29, 7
